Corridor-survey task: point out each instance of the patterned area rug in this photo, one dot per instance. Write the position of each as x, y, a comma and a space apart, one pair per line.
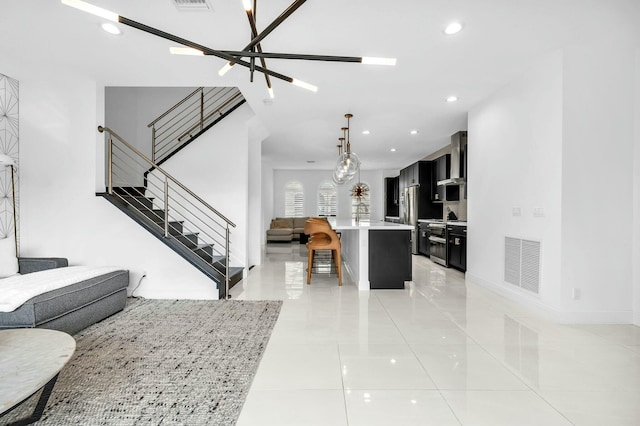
164, 362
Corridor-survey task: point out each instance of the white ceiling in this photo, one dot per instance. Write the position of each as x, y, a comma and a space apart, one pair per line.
501, 39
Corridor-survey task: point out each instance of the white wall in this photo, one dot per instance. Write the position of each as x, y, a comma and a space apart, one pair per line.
256, 232
216, 167
268, 211
562, 138
515, 161
597, 180
61, 215
312, 179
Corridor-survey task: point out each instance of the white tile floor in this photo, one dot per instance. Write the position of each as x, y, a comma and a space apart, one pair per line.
439, 352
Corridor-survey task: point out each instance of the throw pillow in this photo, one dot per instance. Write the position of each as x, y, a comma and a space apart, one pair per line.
8, 259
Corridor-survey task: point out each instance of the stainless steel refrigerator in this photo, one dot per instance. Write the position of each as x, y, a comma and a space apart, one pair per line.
410, 214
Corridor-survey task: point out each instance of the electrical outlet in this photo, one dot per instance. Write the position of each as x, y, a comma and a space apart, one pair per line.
538, 212
516, 211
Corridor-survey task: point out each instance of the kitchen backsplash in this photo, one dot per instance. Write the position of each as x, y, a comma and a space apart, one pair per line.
459, 208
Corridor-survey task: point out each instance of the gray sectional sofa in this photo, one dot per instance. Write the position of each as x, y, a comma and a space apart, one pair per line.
71, 308
286, 229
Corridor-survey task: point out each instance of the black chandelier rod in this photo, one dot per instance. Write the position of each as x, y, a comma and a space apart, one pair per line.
276, 22
204, 49
254, 33
272, 55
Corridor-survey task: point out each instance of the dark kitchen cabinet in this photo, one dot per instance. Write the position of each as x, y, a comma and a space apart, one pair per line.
392, 196
423, 239
442, 172
457, 247
421, 174
389, 258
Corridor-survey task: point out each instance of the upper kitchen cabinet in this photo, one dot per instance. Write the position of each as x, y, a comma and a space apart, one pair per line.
420, 174
392, 196
442, 172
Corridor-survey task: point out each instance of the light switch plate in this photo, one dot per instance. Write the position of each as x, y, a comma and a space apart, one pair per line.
516, 211
538, 212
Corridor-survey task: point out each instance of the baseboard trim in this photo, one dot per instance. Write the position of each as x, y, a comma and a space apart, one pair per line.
562, 317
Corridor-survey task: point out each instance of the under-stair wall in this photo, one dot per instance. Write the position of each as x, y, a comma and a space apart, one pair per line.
216, 167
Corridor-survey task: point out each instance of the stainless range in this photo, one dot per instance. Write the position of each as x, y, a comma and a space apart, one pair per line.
438, 242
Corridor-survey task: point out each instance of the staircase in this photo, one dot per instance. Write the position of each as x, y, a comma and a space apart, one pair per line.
170, 211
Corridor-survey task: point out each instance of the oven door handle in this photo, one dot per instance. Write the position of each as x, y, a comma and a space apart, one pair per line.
438, 240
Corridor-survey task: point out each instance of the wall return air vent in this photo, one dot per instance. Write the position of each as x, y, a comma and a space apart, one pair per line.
522, 263
195, 5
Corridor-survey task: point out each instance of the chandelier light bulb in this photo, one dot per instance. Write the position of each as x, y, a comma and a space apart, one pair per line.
304, 85
224, 69
94, 10
378, 61
185, 51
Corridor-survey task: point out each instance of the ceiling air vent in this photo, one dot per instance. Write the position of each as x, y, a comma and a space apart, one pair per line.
197, 5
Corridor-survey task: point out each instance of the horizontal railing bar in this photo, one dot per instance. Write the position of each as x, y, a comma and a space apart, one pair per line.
175, 106
211, 114
196, 105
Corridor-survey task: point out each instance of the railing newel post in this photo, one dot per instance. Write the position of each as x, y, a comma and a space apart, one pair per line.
153, 143
166, 207
110, 164
201, 108
228, 265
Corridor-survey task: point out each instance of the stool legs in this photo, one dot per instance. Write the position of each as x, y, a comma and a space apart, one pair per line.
310, 265
337, 260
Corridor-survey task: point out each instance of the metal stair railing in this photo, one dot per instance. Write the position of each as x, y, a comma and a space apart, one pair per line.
172, 202
189, 117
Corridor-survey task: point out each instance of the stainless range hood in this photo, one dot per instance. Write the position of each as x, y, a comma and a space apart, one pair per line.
458, 151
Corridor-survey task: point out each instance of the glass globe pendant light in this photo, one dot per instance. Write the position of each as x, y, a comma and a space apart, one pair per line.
338, 173
348, 162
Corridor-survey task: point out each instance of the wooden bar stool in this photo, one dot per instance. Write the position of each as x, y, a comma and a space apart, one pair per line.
322, 237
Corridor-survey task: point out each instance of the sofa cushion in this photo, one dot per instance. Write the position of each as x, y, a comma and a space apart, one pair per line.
279, 232
287, 220
298, 222
280, 224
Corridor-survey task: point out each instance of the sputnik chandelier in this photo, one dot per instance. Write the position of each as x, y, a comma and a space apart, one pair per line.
348, 162
252, 50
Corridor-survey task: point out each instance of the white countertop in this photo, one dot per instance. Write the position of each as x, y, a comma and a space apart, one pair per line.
340, 224
457, 222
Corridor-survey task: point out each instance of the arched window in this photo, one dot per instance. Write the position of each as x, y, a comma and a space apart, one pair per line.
327, 204
361, 201
293, 200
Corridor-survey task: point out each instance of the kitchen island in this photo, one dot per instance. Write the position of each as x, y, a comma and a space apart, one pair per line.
377, 255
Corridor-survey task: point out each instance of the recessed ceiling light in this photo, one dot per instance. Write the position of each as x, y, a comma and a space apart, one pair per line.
414, 132
392, 150
111, 28
366, 132
452, 98
453, 28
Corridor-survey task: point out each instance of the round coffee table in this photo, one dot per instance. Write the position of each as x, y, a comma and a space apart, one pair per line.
31, 358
